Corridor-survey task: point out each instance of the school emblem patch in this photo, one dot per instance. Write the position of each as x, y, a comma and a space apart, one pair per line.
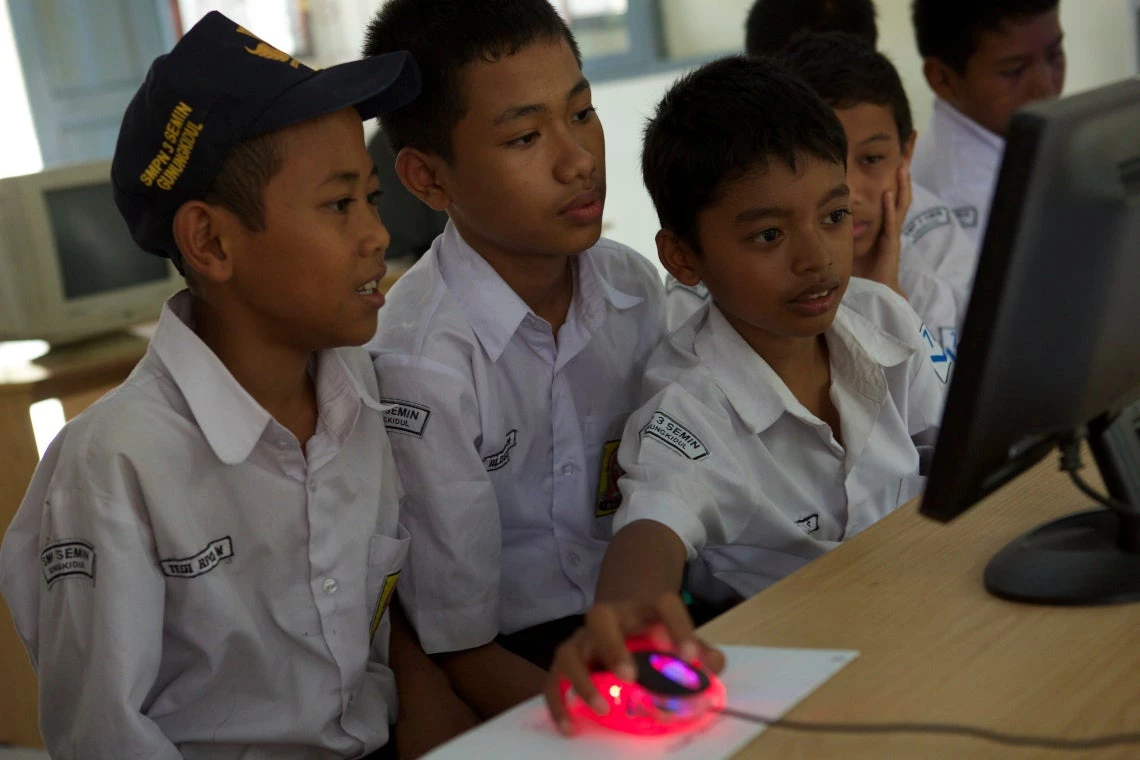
609, 495
383, 602
967, 216
940, 359
67, 559
675, 435
809, 524
405, 417
500, 459
931, 219
201, 563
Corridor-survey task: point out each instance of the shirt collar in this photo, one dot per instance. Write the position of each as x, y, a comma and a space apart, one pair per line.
964, 125
232, 420
858, 350
495, 311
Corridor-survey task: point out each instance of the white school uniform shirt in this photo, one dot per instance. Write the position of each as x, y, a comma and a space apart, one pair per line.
936, 265
753, 483
505, 440
958, 160
190, 583
936, 271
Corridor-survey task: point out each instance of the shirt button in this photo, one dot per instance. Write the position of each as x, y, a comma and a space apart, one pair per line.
567, 469
330, 586
574, 559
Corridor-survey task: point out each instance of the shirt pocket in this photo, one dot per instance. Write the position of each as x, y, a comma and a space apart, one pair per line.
603, 436
894, 494
386, 557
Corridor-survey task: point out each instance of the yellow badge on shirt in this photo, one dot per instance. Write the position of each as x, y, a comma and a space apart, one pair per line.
383, 602
609, 496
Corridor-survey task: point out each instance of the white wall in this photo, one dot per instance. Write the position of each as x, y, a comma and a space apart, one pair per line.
19, 149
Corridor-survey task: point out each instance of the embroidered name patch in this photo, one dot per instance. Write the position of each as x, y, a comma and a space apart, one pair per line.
501, 458
609, 495
65, 559
931, 219
940, 359
676, 436
383, 602
201, 563
967, 215
810, 524
405, 417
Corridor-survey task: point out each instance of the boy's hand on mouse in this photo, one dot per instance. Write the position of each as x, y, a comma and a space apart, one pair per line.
884, 266
601, 643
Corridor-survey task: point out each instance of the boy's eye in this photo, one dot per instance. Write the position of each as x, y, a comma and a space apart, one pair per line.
585, 114
1013, 73
839, 216
374, 197
870, 160
341, 205
525, 140
770, 235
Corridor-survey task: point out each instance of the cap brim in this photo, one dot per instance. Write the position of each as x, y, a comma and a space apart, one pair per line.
374, 85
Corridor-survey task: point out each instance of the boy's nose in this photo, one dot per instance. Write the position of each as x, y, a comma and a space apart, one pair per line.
812, 256
1042, 83
575, 160
376, 240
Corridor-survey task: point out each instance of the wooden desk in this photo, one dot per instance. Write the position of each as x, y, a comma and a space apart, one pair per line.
77, 375
935, 647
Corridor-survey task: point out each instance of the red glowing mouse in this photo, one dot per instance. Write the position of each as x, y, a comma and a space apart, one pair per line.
669, 696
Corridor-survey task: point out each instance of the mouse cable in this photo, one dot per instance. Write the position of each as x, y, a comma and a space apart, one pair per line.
973, 732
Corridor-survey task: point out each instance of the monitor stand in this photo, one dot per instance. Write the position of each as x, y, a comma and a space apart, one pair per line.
1087, 558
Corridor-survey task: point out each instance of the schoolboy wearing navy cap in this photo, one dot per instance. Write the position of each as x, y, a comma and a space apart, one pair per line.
203, 563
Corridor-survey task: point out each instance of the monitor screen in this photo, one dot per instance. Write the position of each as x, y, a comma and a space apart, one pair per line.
95, 251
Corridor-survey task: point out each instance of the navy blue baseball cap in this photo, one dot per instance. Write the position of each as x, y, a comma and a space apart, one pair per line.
221, 85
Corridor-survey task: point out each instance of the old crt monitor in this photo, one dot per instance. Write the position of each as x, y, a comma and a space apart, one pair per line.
68, 266
1050, 348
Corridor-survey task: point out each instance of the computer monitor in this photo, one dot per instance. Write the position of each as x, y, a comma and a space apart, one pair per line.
68, 266
1050, 348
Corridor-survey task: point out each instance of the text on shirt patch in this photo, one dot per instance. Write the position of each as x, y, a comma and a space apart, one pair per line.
405, 417
931, 219
609, 495
383, 602
810, 524
65, 559
676, 436
201, 563
967, 216
939, 358
500, 459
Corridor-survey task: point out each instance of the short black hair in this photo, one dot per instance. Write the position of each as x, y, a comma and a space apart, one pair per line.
772, 24
722, 121
444, 36
948, 29
846, 73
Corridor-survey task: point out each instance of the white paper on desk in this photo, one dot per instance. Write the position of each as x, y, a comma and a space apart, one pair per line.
760, 680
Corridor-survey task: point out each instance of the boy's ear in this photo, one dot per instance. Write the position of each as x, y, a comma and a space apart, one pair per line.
941, 78
200, 232
678, 257
421, 173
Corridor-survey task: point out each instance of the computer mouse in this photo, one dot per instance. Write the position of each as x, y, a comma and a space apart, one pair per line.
669, 696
